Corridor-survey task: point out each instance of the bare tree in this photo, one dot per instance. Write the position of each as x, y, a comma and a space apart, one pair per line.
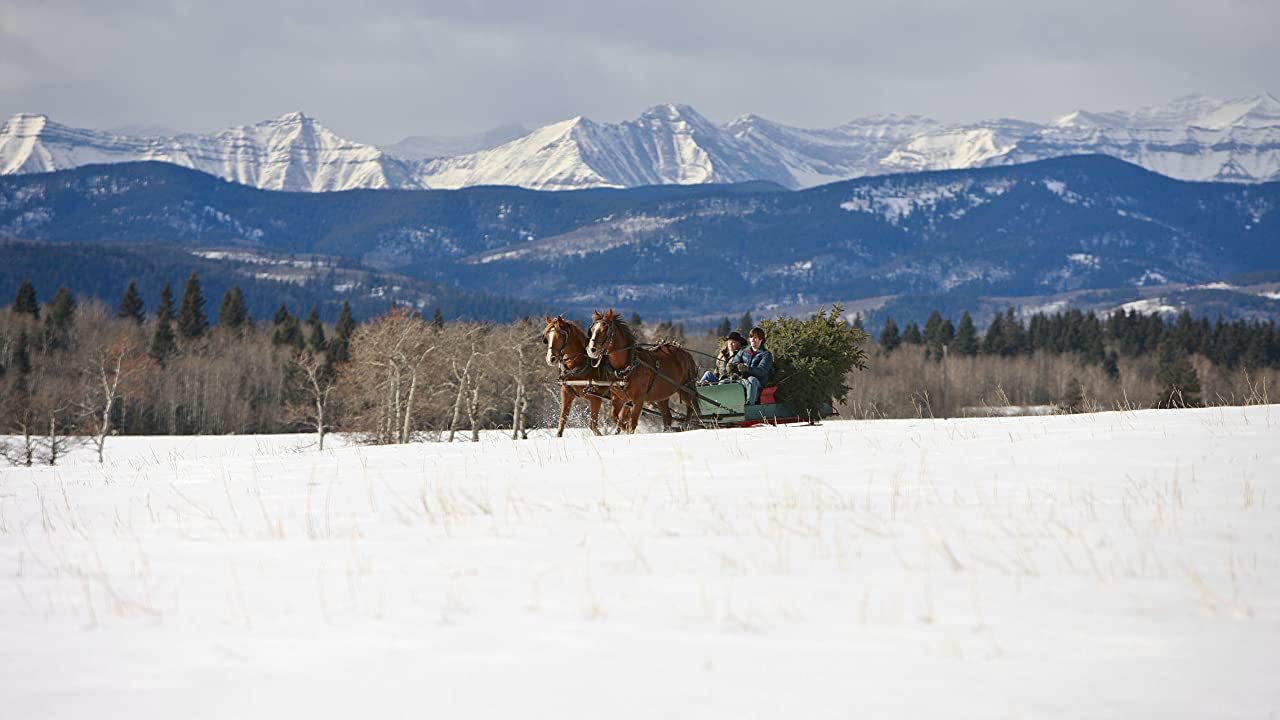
385, 375
110, 371
318, 383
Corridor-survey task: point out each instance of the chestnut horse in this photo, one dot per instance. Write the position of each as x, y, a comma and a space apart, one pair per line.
652, 375
567, 350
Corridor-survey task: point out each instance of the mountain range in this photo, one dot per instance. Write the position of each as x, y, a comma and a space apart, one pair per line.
1192, 138
1087, 231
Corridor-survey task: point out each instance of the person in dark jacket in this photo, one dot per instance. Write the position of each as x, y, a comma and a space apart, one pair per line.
733, 342
753, 363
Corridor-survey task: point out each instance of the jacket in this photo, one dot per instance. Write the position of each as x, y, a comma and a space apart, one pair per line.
759, 363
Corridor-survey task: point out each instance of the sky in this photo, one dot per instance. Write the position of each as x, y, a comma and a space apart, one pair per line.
380, 71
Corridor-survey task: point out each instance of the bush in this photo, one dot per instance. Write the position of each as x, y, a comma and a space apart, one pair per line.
813, 357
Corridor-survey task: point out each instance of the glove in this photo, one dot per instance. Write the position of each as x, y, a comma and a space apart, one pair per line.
740, 367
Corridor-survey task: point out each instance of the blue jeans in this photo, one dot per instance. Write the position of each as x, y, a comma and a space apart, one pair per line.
709, 377
752, 384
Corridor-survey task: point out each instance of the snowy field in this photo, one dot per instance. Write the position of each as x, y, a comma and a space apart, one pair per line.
1116, 565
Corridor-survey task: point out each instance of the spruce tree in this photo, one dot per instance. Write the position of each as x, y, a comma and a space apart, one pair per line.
1177, 377
191, 318
889, 337
1111, 366
233, 315
966, 341
723, 329
163, 342
315, 333
934, 335
911, 335
287, 329
165, 308
993, 341
25, 302
62, 309
340, 345
745, 323
437, 320
131, 305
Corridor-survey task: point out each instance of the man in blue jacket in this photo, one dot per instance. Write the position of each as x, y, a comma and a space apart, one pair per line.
753, 363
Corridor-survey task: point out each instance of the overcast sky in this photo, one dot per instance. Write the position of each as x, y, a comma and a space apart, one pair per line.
464, 66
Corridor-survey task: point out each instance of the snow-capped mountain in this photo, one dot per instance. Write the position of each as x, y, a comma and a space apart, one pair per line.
423, 147
1192, 138
667, 144
291, 152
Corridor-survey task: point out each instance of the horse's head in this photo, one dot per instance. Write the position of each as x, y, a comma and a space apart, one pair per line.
555, 336
607, 335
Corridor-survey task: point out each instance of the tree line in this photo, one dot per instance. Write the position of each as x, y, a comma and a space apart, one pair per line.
82, 371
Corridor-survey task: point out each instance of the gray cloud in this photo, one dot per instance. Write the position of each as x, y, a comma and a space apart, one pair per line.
400, 68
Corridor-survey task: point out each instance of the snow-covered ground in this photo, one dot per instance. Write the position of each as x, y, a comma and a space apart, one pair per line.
1115, 565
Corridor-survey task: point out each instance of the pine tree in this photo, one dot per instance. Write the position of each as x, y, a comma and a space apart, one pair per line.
723, 329
1177, 377
437, 320
315, 333
62, 309
165, 308
966, 340
911, 335
25, 302
993, 342
340, 345
191, 318
745, 323
935, 335
889, 338
287, 329
1111, 366
131, 305
163, 342
233, 315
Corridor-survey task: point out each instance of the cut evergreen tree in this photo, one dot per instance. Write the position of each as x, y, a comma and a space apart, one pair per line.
812, 359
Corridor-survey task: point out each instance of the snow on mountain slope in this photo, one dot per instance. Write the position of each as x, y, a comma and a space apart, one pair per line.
1191, 138
667, 144
292, 152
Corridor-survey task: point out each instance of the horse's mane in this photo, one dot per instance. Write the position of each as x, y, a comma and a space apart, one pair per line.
625, 331
575, 331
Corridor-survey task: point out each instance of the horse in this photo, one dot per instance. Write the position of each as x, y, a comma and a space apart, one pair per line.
566, 350
652, 375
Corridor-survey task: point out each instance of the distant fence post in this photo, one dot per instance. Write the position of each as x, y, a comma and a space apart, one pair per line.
946, 408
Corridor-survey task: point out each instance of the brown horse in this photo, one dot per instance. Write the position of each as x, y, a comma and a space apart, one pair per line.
652, 375
567, 350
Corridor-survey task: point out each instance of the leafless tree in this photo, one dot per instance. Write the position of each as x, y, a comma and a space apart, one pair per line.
110, 370
318, 383
386, 373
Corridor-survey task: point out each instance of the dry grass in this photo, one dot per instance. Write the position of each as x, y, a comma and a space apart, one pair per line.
905, 384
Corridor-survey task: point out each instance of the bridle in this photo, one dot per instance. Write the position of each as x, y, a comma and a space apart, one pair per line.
548, 338
607, 349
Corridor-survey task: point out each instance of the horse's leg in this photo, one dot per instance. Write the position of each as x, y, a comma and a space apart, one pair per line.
566, 403
637, 407
593, 400
664, 409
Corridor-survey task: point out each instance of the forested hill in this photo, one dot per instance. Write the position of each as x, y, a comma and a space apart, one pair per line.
1038, 229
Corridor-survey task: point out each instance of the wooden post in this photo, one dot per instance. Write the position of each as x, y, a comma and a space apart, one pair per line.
946, 408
